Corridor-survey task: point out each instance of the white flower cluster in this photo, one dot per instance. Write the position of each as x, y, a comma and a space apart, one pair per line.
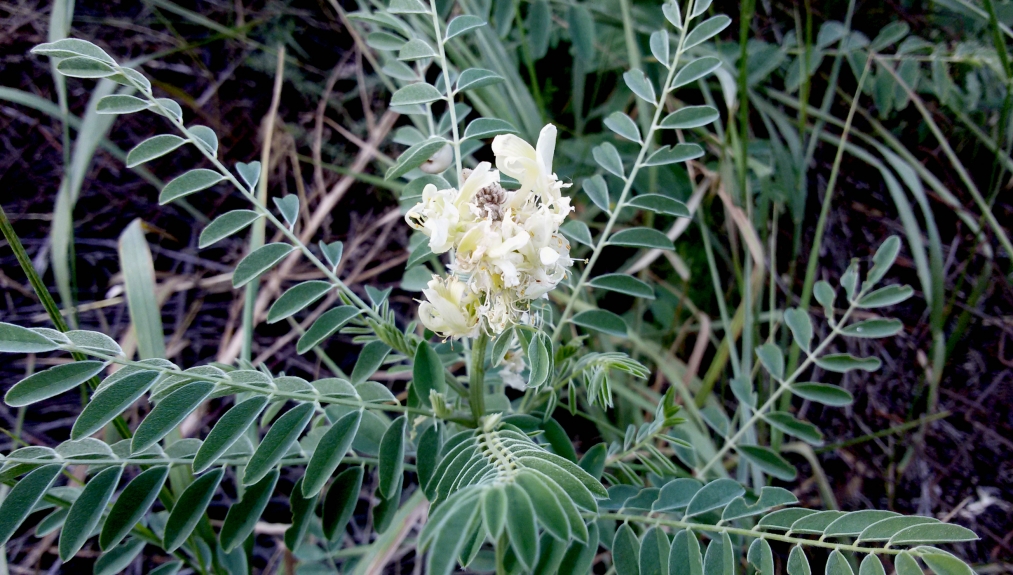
506, 246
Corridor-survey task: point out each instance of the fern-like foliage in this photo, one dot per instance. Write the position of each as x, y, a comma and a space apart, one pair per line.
497, 482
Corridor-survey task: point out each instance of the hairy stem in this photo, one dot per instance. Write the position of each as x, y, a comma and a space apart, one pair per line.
648, 138
476, 376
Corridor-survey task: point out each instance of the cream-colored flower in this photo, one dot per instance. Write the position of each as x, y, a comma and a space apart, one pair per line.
531, 166
506, 247
450, 309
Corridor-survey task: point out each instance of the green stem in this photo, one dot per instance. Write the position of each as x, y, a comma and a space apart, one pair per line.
648, 138
48, 303
450, 91
476, 376
784, 386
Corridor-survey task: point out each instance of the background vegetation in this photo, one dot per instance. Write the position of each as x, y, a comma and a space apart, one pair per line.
920, 88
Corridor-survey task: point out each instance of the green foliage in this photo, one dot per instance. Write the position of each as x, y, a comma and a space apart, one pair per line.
501, 474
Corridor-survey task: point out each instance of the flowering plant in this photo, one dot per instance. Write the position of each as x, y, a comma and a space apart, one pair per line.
479, 468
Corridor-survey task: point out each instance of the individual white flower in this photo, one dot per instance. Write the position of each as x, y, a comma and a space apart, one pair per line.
532, 167
450, 309
442, 213
436, 216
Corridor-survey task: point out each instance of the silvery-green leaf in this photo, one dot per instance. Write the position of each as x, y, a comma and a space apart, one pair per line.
385, 41
340, 501
941, 562
706, 30
416, 49
873, 328
770, 462
17, 339
227, 430
815, 523
601, 320
798, 564
623, 125
418, 93
689, 117
332, 252
660, 47
856, 522
933, 533
21, 499
477, 78
206, 137
885, 297
153, 147
117, 559
169, 413
668, 155
481, 128
685, 557
289, 208
837, 564
845, 362
370, 359
699, 7
695, 70
714, 495
281, 435
329, 453
249, 172
800, 325
648, 238
71, 47
577, 231
132, 504
772, 359
823, 393
787, 423
407, 7
189, 509
639, 84
415, 156
189, 183
871, 565
883, 260
82, 67
461, 24
427, 372
87, 510
259, 262
660, 204
626, 551
242, 517
607, 156
825, 295
583, 33
297, 298
120, 104
51, 382
325, 326
783, 519
623, 283
596, 189
672, 13
110, 402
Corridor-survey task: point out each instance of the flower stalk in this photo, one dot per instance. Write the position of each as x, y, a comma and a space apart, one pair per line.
476, 376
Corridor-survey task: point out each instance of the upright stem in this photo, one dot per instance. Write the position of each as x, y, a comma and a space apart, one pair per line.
476, 376
450, 91
637, 164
